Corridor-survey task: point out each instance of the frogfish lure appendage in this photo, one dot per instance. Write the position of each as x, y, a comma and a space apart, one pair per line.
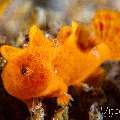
43, 70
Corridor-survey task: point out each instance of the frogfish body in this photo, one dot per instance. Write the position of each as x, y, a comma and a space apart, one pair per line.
46, 68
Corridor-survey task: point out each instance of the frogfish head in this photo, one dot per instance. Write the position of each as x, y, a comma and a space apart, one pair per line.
25, 75
28, 70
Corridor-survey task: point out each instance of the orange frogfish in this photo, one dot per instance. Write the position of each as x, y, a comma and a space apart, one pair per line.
46, 68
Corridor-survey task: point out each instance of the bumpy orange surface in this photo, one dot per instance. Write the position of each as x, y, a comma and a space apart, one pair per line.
46, 68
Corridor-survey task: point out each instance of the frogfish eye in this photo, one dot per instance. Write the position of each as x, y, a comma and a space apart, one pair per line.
24, 70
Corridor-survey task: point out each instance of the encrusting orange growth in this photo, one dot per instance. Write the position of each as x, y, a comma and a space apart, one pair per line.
44, 69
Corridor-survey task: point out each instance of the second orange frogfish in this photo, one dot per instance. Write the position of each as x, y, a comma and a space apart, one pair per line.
46, 68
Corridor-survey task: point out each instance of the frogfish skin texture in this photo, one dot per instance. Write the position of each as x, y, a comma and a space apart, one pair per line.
46, 68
